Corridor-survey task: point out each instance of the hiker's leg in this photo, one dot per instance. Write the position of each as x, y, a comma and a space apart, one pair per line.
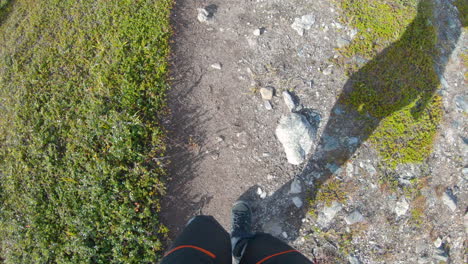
202, 241
266, 249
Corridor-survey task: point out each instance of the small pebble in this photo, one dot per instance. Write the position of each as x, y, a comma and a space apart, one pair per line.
216, 66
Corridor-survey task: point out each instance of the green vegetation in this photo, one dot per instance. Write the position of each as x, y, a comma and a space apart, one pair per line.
397, 86
82, 90
462, 6
332, 190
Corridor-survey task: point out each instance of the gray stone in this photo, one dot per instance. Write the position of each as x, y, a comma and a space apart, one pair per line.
465, 171
328, 70
267, 92
289, 101
331, 143
216, 66
328, 213
303, 23
341, 42
353, 260
354, 217
267, 105
295, 186
297, 202
441, 255
449, 200
401, 207
273, 227
296, 135
462, 102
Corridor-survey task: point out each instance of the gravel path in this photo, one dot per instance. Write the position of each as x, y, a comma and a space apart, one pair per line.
224, 145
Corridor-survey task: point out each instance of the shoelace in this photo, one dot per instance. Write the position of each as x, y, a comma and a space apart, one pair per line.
240, 219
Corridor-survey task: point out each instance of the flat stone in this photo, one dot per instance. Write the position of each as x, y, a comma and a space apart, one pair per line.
465, 171
450, 201
216, 66
297, 202
267, 105
328, 70
462, 102
296, 135
273, 227
341, 42
289, 101
203, 15
267, 93
295, 186
353, 260
328, 213
401, 207
354, 217
303, 23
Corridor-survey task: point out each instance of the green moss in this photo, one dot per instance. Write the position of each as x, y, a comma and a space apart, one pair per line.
332, 190
397, 86
378, 23
462, 6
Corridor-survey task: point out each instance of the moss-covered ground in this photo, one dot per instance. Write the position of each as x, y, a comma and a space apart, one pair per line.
82, 90
398, 85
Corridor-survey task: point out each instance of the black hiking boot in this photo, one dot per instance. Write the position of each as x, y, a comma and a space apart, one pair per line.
241, 228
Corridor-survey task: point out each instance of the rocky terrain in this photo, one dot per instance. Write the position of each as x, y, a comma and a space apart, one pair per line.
256, 114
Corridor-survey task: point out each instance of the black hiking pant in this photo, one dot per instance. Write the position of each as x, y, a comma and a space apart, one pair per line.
204, 241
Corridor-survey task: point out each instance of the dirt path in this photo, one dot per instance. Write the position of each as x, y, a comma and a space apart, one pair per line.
224, 145
225, 134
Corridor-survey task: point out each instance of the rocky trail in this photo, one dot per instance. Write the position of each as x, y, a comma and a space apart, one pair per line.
257, 113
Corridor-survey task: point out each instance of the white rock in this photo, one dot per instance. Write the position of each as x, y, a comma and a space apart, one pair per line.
354, 217
297, 202
401, 207
284, 234
267, 105
295, 186
261, 193
257, 32
267, 92
296, 135
289, 101
303, 23
438, 242
328, 70
203, 15
349, 169
449, 201
216, 66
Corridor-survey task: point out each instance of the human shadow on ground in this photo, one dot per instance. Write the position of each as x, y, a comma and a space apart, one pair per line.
403, 75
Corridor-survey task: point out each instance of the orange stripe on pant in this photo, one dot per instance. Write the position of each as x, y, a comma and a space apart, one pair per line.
277, 254
194, 247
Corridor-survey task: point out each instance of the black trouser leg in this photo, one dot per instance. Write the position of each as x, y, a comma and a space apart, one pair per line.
203, 241
266, 249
